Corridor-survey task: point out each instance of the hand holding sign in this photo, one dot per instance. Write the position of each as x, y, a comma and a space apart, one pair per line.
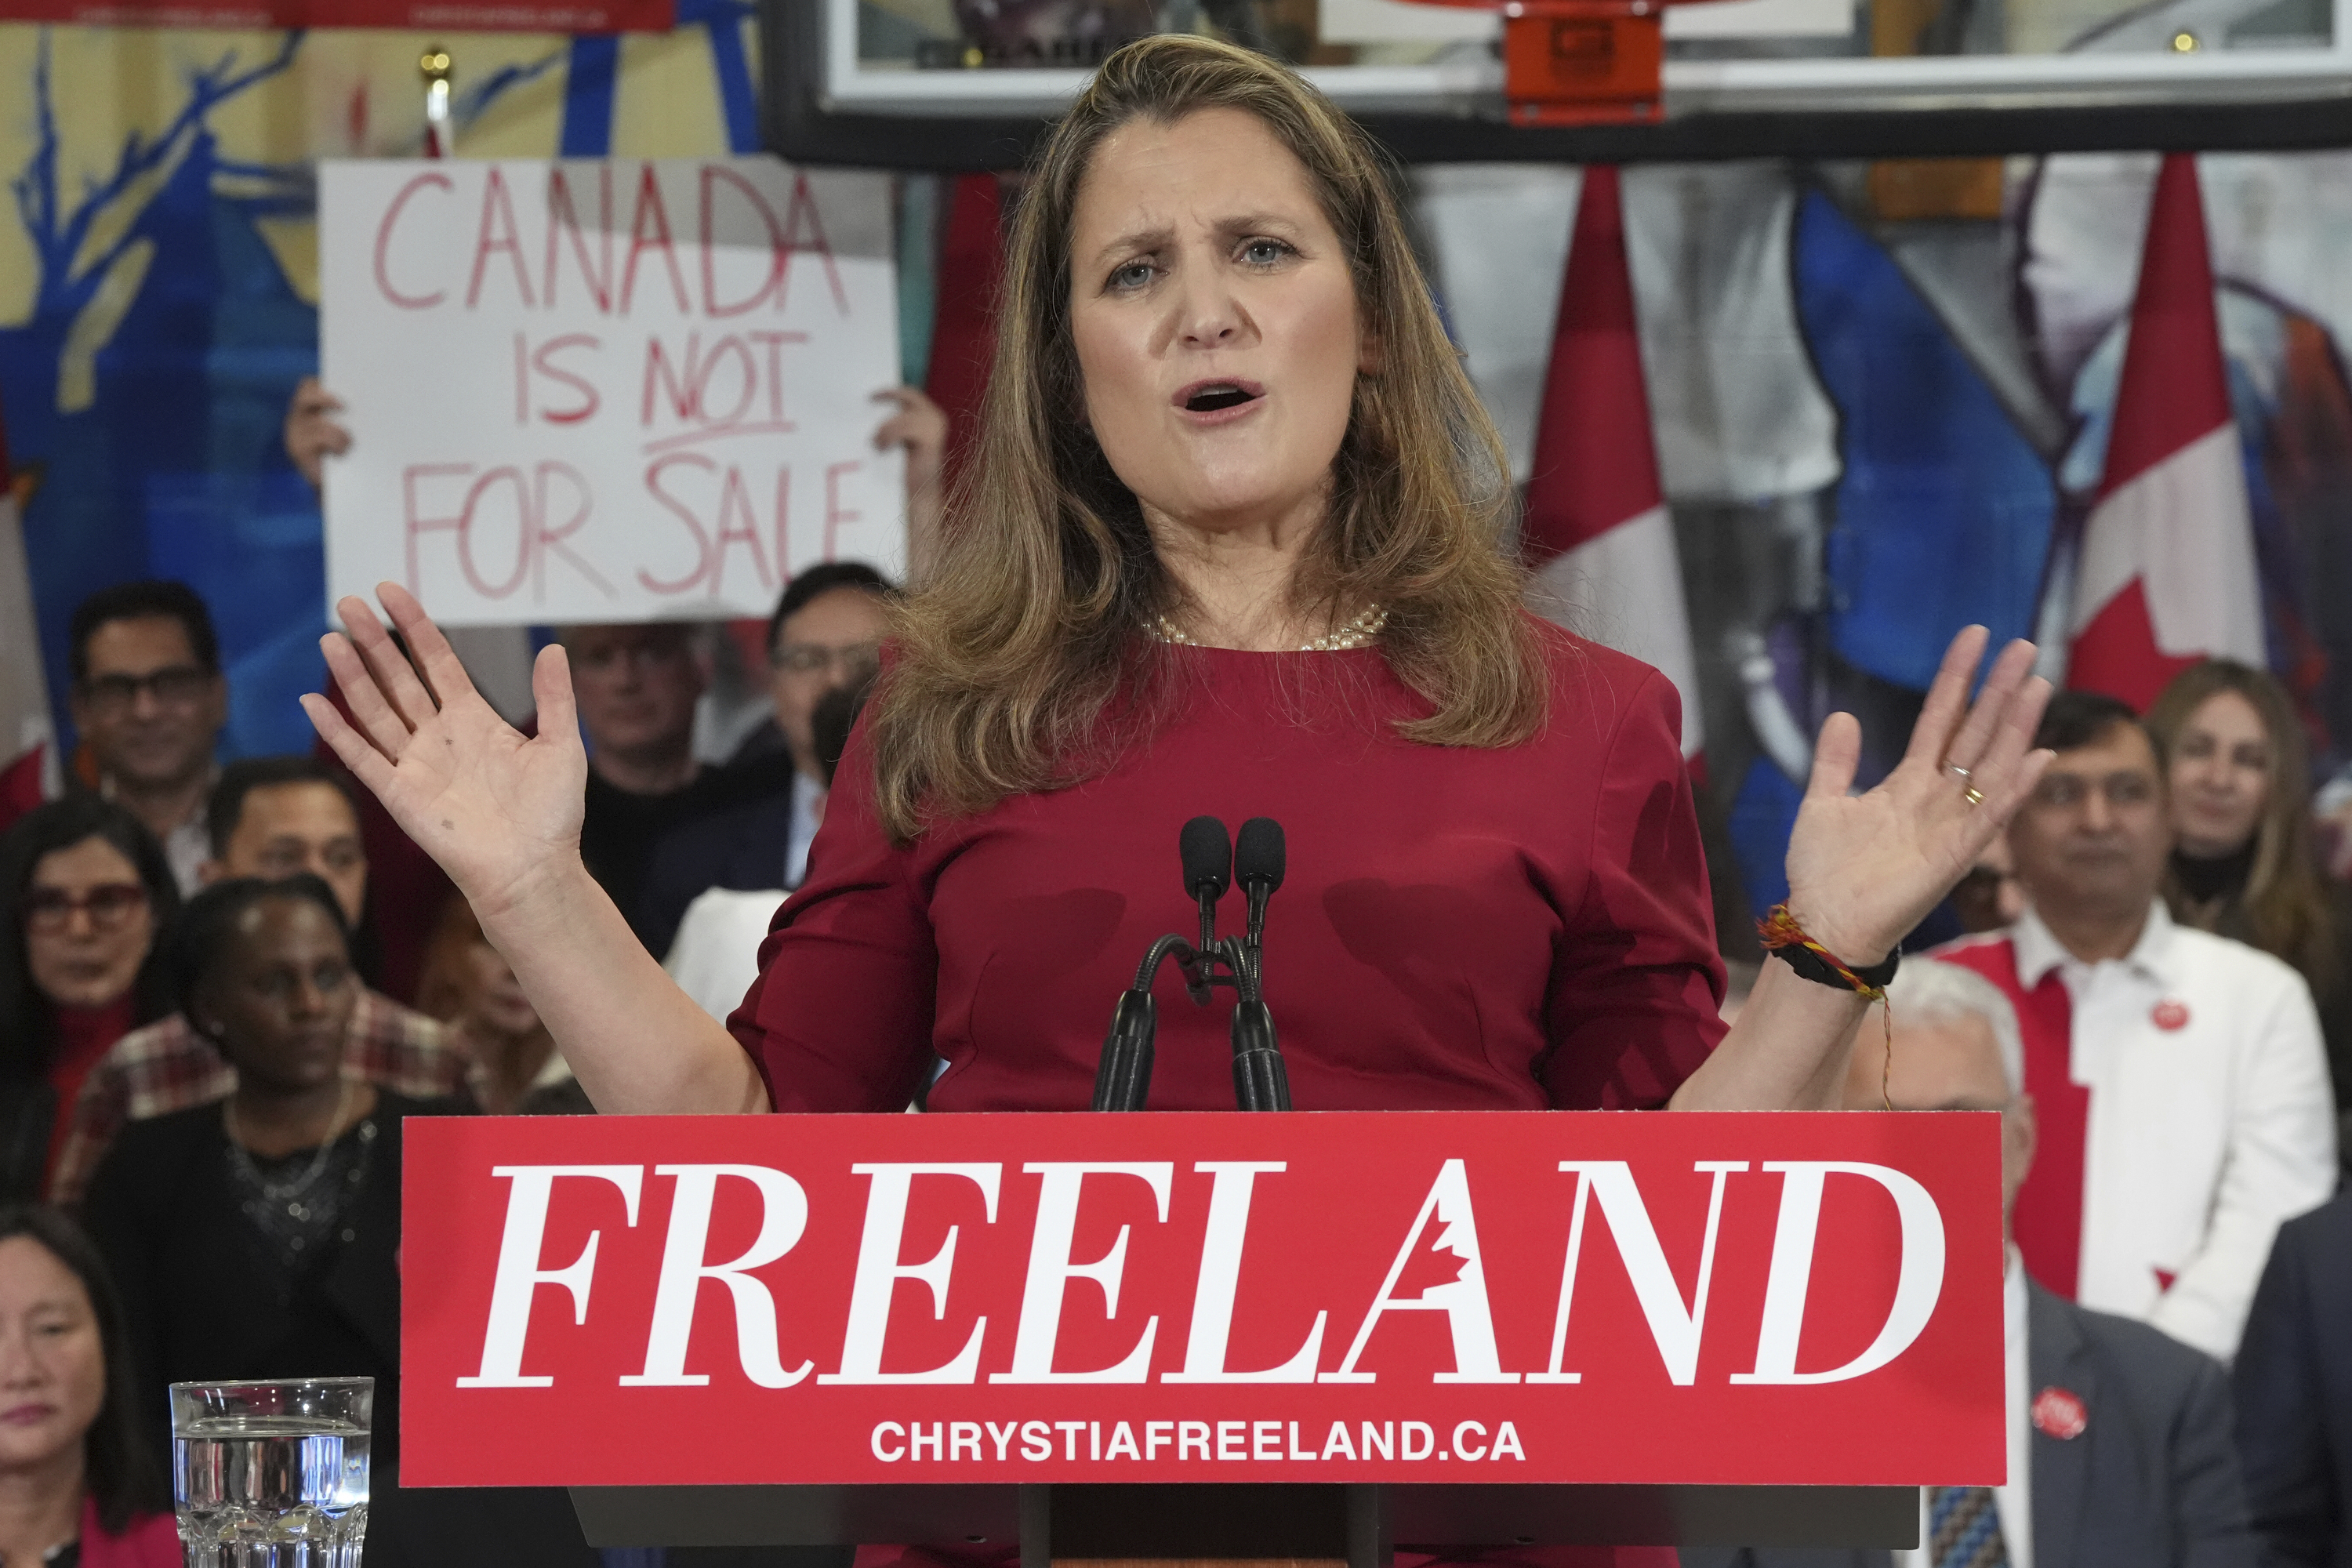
312, 434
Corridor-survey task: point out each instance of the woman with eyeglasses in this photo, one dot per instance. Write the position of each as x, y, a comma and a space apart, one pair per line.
85, 891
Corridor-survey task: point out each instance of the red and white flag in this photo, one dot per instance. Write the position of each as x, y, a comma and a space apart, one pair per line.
2167, 574
1597, 529
28, 765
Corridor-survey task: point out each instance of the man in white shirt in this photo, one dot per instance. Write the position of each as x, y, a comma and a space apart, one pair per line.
2179, 1080
2120, 1450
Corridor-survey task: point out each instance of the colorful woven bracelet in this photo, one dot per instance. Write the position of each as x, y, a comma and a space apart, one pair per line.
1786, 940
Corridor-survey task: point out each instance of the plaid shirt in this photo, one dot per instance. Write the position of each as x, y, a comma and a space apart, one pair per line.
167, 1067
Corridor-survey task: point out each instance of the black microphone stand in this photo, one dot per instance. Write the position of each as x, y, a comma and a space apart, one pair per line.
1123, 1076
1260, 1081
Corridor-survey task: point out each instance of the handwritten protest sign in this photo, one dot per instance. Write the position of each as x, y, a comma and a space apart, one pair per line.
605, 390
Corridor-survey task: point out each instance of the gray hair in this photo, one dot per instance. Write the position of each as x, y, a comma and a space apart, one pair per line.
1929, 990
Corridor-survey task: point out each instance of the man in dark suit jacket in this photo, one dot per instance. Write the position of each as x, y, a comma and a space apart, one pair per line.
825, 637
2294, 1391
2124, 1434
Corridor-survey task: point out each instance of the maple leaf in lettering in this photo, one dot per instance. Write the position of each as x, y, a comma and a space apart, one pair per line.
1437, 1265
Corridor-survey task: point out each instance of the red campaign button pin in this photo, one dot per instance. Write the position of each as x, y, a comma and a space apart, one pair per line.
2169, 1014
2060, 1413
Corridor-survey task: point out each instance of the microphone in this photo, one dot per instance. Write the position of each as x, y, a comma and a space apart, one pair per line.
1208, 857
1211, 864
1123, 1073
1257, 867
1260, 1081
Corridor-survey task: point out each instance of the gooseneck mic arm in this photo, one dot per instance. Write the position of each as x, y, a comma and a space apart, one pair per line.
1260, 1081
1123, 1076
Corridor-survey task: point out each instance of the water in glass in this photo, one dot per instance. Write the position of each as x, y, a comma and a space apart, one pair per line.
271, 1476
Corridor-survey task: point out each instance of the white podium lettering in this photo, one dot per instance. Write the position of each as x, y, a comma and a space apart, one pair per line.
1919, 1280
1463, 1298
880, 1271
1675, 1328
1051, 1271
783, 1217
1220, 1277
520, 1276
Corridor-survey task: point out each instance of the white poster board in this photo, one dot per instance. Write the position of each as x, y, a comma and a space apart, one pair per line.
605, 390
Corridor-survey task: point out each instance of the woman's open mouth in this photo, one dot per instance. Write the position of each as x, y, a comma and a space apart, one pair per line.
1218, 397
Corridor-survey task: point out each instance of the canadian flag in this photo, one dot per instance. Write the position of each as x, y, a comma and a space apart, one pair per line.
28, 767
2167, 574
1596, 529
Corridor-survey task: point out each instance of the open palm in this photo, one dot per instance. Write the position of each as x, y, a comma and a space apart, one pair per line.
1864, 869
495, 808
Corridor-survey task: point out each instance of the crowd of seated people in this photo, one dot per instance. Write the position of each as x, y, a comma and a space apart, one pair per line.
223, 983
267, 817
199, 1062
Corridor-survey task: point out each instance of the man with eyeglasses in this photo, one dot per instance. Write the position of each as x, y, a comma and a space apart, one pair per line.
824, 637
149, 702
2179, 1079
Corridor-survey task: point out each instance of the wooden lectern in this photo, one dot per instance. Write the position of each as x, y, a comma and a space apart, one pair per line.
1271, 1335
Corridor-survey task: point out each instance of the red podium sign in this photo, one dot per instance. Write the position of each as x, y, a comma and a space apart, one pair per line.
1445, 1296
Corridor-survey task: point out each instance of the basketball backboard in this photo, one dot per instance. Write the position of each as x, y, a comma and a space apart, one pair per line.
947, 84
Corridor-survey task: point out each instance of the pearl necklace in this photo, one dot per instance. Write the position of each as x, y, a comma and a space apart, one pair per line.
1356, 632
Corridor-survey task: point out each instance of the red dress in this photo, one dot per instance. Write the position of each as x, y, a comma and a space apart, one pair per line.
1459, 929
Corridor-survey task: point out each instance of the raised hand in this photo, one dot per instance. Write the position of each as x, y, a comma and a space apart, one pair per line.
1864, 870
312, 432
498, 811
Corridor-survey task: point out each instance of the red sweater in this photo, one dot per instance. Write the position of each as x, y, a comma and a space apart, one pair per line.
1462, 927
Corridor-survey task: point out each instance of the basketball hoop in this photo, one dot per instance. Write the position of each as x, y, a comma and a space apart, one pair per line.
1580, 62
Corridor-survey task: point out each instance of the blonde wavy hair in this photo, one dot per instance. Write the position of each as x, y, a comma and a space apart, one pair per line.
1022, 665
2285, 909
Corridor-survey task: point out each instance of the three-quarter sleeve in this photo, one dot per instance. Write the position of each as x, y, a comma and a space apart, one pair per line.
840, 1016
1636, 985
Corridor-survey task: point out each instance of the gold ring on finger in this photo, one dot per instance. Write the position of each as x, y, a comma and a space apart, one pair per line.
1973, 795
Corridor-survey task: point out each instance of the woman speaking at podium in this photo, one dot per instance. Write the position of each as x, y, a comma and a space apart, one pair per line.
1235, 541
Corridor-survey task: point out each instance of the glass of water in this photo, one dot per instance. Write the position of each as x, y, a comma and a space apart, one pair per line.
272, 1475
